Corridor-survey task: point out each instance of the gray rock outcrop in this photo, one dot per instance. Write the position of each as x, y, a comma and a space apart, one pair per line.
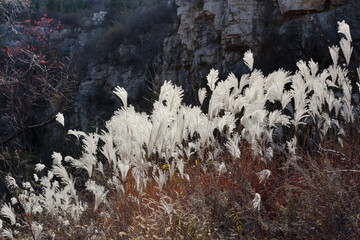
216, 33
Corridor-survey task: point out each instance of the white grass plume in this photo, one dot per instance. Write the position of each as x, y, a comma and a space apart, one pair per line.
7, 233
344, 28
11, 182
61, 172
8, 212
171, 96
232, 146
60, 118
108, 149
124, 167
202, 95
77, 134
212, 77
161, 179
334, 52
347, 49
98, 191
264, 175
122, 94
256, 202
39, 167
86, 161
249, 59
57, 158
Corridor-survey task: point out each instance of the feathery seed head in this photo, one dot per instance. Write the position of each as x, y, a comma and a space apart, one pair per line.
60, 118
8, 212
39, 167
347, 49
256, 202
122, 94
202, 95
334, 52
57, 158
10, 181
212, 77
344, 29
249, 59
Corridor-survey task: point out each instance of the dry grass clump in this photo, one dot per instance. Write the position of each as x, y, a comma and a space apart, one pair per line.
273, 157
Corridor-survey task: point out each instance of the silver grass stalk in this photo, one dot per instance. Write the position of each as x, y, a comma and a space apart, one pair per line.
7, 233
124, 167
61, 172
37, 229
314, 67
180, 167
292, 145
244, 81
108, 149
212, 77
13, 201
11, 182
347, 49
39, 167
98, 191
100, 168
87, 162
167, 207
233, 81
161, 180
334, 52
222, 168
202, 95
299, 115
264, 175
333, 71
77, 134
249, 59
276, 117
256, 202
57, 158
304, 70
344, 28
314, 104
274, 85
286, 99
228, 120
90, 143
8, 212
122, 94
171, 96
342, 74
232, 146
60, 118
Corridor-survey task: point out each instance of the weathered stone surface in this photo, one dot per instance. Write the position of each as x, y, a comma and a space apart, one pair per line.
212, 34
216, 33
301, 5
95, 98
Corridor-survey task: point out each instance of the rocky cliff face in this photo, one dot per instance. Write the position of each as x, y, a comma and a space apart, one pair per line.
208, 34
213, 33
216, 33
